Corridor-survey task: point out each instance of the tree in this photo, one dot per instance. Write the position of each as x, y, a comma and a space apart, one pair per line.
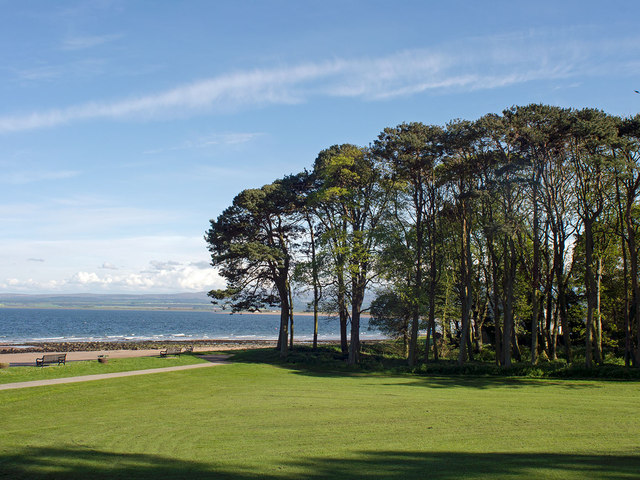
592, 134
390, 314
627, 178
414, 152
251, 243
308, 269
507, 222
462, 163
332, 239
545, 139
353, 194
502, 159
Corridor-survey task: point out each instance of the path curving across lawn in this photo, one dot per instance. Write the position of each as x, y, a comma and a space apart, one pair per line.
211, 361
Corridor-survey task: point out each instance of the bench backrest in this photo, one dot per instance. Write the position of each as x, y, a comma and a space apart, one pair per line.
174, 349
54, 357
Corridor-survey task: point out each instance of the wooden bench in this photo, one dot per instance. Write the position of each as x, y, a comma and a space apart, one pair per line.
52, 358
171, 351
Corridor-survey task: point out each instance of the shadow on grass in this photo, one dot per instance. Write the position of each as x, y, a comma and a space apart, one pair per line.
489, 382
79, 463
331, 364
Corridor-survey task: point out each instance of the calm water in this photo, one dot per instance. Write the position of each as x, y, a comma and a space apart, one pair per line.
18, 325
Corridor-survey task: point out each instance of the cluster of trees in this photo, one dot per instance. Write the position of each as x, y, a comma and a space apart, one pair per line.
518, 229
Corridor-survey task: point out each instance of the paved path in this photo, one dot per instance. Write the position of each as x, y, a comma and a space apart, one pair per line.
212, 361
29, 358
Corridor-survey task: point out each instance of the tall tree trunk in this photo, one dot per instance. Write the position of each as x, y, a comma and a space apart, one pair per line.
315, 280
290, 319
599, 357
625, 274
509, 277
342, 310
447, 336
496, 307
551, 324
635, 287
283, 344
465, 271
627, 324
357, 296
535, 281
433, 281
413, 341
554, 337
417, 287
516, 347
427, 343
591, 290
315, 324
405, 338
558, 261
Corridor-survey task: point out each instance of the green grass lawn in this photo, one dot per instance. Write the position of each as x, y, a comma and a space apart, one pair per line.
250, 421
92, 367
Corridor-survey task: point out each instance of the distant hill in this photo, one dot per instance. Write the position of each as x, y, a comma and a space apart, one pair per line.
177, 301
172, 301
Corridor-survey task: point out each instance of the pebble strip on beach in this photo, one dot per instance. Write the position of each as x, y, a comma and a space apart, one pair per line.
138, 345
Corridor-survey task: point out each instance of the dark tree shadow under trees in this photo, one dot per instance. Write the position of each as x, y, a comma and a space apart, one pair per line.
64, 463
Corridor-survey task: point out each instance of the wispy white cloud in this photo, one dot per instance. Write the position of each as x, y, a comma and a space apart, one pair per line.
38, 73
468, 65
89, 41
229, 91
81, 68
212, 140
31, 176
223, 139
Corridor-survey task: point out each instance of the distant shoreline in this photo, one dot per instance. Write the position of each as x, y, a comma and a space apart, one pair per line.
107, 307
164, 309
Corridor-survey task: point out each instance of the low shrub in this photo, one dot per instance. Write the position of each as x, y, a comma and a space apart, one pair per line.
378, 358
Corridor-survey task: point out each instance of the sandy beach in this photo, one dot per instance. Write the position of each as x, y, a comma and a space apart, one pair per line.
16, 355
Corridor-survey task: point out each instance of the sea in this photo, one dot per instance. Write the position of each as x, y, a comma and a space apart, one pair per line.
24, 325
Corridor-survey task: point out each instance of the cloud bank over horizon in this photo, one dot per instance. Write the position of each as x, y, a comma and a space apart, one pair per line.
173, 277
153, 264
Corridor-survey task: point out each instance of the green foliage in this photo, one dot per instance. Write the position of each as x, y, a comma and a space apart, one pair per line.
251, 243
479, 226
390, 315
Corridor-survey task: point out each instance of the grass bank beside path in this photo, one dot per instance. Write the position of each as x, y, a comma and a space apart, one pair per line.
251, 420
92, 367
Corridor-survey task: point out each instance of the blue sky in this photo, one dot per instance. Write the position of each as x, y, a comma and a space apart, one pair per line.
126, 125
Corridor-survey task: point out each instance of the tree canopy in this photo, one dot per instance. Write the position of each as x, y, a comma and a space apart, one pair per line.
512, 232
